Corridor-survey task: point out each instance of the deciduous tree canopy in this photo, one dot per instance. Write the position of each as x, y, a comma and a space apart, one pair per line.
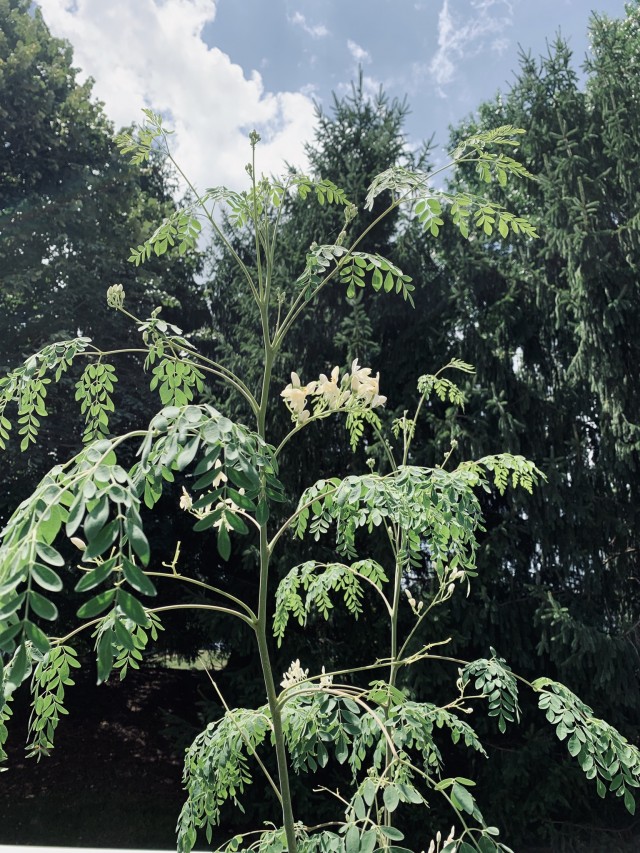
70, 205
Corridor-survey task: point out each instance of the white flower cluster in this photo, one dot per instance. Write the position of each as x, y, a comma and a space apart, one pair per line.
355, 390
294, 675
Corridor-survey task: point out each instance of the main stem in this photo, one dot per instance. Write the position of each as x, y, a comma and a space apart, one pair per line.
261, 625
393, 667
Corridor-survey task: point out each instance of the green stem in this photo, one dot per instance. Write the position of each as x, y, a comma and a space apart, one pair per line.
261, 289
394, 665
214, 224
261, 625
272, 697
176, 576
213, 607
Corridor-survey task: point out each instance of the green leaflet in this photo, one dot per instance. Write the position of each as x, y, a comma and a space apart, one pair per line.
216, 769
26, 386
318, 580
50, 679
601, 751
494, 679
93, 391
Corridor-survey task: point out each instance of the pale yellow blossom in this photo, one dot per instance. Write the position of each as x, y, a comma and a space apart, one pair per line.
186, 501
325, 680
330, 389
356, 389
295, 396
366, 387
220, 477
294, 675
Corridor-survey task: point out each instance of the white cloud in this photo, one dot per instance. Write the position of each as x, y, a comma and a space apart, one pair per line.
464, 33
318, 31
500, 45
359, 54
151, 53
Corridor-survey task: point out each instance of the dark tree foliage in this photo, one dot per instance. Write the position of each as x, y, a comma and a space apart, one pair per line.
552, 328
70, 206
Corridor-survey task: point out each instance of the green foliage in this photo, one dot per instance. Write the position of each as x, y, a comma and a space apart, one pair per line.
431, 506
216, 769
5, 715
142, 145
601, 751
131, 638
94, 390
317, 586
27, 386
50, 679
180, 230
174, 438
176, 381
495, 681
509, 469
324, 261
430, 203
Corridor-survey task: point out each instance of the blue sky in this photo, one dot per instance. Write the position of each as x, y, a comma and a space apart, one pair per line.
445, 56
219, 67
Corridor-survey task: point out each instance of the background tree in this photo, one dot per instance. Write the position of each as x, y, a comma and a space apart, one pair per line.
70, 204
552, 328
559, 570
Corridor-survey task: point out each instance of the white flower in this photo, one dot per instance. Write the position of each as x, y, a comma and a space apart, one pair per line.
186, 501
294, 675
366, 387
295, 397
220, 477
115, 296
330, 389
325, 680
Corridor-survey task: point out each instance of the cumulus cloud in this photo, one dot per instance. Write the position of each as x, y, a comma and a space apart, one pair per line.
151, 54
465, 32
316, 31
358, 53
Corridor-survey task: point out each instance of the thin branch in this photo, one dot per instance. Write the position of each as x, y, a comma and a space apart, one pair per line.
247, 743
212, 607
185, 579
